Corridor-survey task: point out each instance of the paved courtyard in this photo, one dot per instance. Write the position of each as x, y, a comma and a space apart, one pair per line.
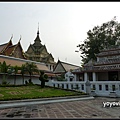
75, 109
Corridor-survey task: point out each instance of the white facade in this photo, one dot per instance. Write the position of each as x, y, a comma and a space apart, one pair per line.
69, 76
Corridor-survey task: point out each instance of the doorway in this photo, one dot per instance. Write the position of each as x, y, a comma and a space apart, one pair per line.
113, 76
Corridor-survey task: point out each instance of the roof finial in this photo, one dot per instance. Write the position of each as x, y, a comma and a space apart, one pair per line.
38, 26
11, 37
20, 38
38, 29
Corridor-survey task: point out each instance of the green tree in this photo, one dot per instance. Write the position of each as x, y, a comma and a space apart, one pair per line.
100, 37
31, 68
43, 78
4, 69
23, 70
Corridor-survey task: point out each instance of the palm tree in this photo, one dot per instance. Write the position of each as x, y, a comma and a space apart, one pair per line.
15, 72
31, 68
23, 69
43, 78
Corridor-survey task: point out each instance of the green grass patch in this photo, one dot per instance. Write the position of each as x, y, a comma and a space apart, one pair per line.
31, 92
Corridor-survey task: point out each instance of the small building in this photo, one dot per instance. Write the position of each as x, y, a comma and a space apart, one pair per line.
63, 67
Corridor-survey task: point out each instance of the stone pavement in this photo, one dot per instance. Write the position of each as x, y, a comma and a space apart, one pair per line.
92, 108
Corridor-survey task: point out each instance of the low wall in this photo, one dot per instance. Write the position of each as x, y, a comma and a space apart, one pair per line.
19, 80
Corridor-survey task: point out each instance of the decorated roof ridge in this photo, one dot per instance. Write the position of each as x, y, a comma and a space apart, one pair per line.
102, 68
110, 53
10, 41
108, 61
110, 49
68, 63
20, 46
12, 46
15, 46
4, 44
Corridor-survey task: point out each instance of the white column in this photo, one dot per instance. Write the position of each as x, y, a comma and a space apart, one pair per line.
94, 76
75, 77
85, 76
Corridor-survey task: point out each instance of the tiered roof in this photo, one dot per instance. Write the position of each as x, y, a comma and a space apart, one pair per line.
110, 61
36, 49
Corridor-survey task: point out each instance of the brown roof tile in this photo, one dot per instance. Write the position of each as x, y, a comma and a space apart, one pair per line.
9, 50
15, 61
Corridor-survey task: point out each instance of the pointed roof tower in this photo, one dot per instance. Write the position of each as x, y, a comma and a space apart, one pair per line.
37, 41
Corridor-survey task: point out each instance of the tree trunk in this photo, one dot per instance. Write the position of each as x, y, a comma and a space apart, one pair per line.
15, 80
23, 79
42, 83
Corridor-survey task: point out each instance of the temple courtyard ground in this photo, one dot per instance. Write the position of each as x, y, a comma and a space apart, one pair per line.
99, 107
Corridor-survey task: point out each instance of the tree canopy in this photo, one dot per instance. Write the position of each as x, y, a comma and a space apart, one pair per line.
31, 68
100, 37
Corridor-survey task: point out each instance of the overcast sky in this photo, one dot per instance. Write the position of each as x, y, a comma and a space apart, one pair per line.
62, 25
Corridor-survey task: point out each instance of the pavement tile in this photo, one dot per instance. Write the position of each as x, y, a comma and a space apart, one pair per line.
72, 109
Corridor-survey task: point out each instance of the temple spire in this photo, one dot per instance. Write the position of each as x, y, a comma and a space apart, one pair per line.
38, 29
37, 39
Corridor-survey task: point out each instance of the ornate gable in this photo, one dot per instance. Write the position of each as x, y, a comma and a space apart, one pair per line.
15, 51
18, 51
5, 46
59, 68
30, 50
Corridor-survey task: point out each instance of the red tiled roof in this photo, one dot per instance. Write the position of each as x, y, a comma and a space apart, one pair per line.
3, 46
9, 50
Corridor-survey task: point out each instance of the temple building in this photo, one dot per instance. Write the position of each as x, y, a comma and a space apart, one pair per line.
104, 74
8, 49
38, 52
101, 76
